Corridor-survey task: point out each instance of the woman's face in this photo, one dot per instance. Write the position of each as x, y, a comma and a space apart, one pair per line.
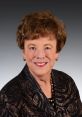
40, 55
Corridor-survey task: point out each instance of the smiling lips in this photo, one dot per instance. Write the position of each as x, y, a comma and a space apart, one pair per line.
40, 64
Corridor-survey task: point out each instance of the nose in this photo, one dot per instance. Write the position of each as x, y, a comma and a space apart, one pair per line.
40, 54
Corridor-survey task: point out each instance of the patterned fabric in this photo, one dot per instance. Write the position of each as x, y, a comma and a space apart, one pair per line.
22, 97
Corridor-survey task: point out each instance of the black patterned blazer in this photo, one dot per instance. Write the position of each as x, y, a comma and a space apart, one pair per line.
22, 97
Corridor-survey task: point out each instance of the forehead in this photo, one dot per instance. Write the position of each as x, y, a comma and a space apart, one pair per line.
42, 40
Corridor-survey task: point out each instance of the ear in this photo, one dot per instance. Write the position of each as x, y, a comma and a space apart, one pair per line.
23, 54
57, 56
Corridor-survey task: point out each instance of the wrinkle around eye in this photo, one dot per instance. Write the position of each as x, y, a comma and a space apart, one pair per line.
47, 48
32, 49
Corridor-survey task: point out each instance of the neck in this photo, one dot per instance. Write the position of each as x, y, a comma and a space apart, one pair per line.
44, 83
42, 79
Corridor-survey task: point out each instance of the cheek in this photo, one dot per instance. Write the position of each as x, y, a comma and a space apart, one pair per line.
29, 56
52, 55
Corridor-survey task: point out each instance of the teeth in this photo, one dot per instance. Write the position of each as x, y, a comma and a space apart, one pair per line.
40, 64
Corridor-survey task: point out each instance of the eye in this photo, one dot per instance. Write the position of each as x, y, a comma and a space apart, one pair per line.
32, 48
47, 48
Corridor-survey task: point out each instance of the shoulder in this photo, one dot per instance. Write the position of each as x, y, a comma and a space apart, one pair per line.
67, 91
60, 73
65, 82
10, 85
61, 77
10, 97
11, 90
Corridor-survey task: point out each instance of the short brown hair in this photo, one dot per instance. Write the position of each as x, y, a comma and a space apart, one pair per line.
39, 24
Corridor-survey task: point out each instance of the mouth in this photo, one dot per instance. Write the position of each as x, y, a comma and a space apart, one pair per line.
40, 64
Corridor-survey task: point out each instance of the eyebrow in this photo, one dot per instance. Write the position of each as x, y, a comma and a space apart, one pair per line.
47, 45
35, 45
31, 45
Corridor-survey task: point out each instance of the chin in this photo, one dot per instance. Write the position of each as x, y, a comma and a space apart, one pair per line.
40, 72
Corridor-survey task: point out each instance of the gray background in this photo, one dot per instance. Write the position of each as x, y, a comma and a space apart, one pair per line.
70, 11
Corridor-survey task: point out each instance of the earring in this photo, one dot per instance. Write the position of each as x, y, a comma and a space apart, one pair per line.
24, 59
56, 59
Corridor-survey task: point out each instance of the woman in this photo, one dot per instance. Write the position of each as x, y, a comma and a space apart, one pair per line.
39, 90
